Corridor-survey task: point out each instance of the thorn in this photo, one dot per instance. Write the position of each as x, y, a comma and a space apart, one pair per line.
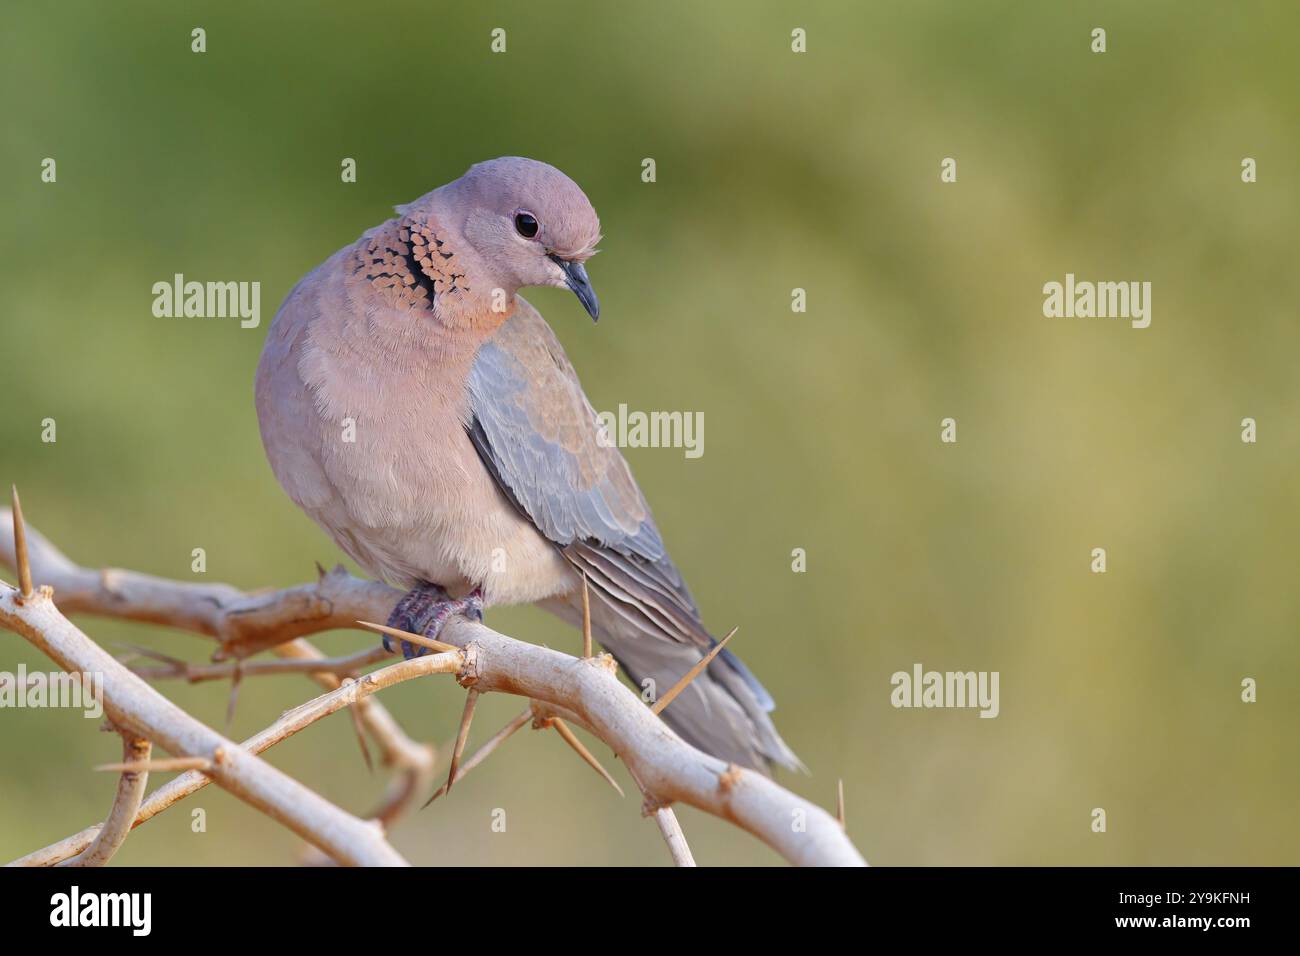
355, 711
408, 636
586, 618
839, 807
694, 672
320, 571
20, 548
483, 752
236, 678
165, 765
583, 752
179, 667
466, 716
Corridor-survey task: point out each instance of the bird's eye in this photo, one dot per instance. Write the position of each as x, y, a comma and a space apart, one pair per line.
526, 224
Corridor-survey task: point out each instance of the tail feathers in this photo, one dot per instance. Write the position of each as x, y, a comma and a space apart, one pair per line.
723, 712
760, 692
734, 678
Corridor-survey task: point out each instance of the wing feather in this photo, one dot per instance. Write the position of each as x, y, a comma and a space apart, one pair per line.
539, 437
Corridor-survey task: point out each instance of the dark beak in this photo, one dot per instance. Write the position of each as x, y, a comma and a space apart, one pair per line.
576, 274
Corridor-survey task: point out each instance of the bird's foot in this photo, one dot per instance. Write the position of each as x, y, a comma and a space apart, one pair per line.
425, 610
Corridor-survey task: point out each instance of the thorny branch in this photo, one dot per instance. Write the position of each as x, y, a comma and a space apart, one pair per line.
561, 688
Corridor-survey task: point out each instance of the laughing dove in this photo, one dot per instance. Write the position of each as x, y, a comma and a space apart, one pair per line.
426, 416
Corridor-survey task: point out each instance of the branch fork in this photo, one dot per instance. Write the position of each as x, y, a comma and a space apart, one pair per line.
561, 694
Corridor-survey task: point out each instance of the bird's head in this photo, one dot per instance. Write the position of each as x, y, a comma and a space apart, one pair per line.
528, 224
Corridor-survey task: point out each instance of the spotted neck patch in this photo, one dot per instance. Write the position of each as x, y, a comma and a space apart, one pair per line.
409, 264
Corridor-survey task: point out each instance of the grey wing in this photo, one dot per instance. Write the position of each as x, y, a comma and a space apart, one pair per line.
539, 437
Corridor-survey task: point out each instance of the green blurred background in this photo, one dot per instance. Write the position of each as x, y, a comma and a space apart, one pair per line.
775, 171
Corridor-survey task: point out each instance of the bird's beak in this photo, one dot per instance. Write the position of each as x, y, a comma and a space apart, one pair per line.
576, 275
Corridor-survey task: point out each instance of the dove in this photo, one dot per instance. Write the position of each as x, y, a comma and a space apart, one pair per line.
424, 414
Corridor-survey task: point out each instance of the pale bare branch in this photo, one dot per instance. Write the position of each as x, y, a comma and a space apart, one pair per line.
413, 760
135, 707
126, 804
583, 692
198, 673
673, 836
162, 765
289, 724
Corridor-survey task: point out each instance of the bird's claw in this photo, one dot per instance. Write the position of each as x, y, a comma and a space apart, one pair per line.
426, 609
